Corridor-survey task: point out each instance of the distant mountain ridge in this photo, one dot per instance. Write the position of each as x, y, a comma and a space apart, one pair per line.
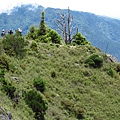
102, 32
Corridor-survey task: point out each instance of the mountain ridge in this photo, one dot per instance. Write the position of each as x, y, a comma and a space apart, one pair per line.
101, 31
45, 80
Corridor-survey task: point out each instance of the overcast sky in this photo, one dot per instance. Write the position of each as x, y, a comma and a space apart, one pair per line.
109, 8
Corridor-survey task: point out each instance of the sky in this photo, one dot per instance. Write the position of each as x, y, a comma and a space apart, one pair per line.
110, 8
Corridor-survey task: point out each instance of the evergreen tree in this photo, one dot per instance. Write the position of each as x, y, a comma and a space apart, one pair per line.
54, 36
43, 33
32, 34
79, 39
42, 26
35, 101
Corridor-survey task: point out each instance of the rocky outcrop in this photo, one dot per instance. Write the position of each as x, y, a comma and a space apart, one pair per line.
5, 115
111, 58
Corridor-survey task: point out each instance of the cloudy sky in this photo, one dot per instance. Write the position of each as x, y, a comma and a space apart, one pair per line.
109, 8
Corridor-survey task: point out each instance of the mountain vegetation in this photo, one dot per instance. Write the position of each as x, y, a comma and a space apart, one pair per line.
102, 32
44, 78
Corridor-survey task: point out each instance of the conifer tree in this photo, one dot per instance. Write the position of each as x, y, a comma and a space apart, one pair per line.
79, 39
42, 26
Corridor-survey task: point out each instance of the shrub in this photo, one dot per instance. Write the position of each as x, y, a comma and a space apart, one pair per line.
33, 46
55, 37
70, 106
2, 73
94, 60
44, 39
53, 74
80, 40
50, 35
9, 89
32, 33
7, 86
111, 72
118, 68
1, 48
14, 45
35, 101
79, 112
4, 62
39, 84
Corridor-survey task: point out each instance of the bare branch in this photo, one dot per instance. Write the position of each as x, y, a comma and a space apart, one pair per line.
65, 25
59, 26
60, 23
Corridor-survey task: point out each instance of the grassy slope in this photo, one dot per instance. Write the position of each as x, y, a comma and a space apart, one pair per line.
77, 88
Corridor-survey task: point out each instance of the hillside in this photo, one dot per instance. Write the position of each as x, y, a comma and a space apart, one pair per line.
102, 32
74, 89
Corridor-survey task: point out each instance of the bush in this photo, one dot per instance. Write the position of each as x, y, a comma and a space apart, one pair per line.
44, 39
32, 33
7, 86
4, 62
9, 89
39, 84
33, 46
111, 72
14, 45
55, 37
53, 74
1, 48
118, 68
94, 60
35, 101
80, 40
50, 35
70, 106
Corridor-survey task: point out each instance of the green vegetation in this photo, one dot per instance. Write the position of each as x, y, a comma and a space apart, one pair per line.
55, 81
4, 62
51, 35
42, 25
100, 31
36, 102
33, 46
43, 34
7, 86
39, 84
73, 90
80, 40
14, 45
94, 60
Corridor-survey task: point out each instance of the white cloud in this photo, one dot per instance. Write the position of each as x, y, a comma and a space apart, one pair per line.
101, 7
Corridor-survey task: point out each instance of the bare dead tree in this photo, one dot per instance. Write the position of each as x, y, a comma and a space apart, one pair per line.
64, 24
61, 24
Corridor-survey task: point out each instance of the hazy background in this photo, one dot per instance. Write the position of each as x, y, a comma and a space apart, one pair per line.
99, 7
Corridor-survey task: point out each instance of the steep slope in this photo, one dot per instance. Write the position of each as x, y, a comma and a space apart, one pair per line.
74, 90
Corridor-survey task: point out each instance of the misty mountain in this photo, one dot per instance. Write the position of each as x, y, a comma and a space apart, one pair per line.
102, 32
